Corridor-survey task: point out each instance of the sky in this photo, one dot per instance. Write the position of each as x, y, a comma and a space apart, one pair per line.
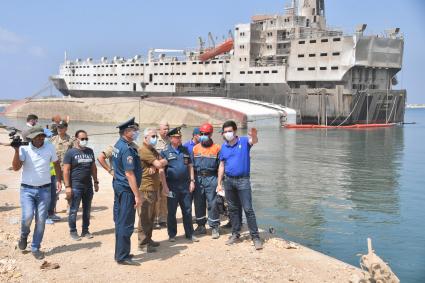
35, 34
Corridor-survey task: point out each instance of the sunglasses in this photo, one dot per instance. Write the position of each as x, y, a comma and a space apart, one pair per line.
203, 134
84, 139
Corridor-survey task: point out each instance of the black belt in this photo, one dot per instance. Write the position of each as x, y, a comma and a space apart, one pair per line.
206, 173
35, 187
237, 177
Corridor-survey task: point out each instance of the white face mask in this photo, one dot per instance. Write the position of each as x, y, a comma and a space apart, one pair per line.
83, 143
228, 136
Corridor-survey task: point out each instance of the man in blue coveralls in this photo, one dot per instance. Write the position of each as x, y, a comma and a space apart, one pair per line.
126, 183
193, 141
179, 182
235, 163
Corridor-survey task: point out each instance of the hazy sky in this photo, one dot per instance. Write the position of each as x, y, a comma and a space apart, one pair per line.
35, 34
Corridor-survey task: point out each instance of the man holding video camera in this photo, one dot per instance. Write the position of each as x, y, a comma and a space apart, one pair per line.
34, 159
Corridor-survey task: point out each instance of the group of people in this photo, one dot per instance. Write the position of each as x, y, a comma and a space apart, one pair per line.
151, 177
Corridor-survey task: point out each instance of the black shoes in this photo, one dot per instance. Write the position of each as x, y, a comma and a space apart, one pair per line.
128, 261
22, 244
200, 230
233, 239
152, 243
38, 254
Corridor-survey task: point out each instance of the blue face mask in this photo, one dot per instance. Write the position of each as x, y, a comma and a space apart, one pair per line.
204, 138
136, 135
153, 141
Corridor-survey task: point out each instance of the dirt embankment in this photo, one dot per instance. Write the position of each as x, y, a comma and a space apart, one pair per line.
110, 110
91, 260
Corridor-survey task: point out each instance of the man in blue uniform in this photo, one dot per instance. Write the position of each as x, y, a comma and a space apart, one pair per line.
235, 167
126, 183
179, 182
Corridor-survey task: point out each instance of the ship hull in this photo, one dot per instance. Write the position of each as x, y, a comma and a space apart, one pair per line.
334, 108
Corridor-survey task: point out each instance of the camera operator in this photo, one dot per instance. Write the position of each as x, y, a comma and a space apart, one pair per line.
34, 159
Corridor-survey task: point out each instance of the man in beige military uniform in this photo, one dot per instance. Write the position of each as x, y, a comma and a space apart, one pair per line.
62, 142
161, 203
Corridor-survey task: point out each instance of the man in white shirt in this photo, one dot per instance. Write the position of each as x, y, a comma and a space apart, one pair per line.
34, 159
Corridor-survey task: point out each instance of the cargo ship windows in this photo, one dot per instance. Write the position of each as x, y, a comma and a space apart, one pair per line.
184, 63
123, 65
207, 73
242, 34
301, 42
269, 34
206, 63
213, 73
178, 63
200, 73
137, 65
335, 54
172, 74
313, 41
324, 40
312, 55
166, 83
323, 54
155, 64
161, 83
193, 74
311, 68
241, 84
194, 63
128, 65
274, 72
337, 39
155, 84
220, 73
166, 64
300, 55
227, 73
265, 84
334, 68
161, 64
257, 84
249, 72
300, 69
156, 74
171, 83
220, 62
227, 61
258, 72
242, 72
323, 68
183, 74
213, 62
166, 74
161, 74
266, 72
172, 64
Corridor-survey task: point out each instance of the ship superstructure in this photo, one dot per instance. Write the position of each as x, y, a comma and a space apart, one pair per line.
292, 59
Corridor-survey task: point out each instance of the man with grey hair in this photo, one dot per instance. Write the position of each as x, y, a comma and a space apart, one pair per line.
151, 164
161, 203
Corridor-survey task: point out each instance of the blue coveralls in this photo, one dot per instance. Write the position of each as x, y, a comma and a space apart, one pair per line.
205, 164
178, 181
124, 158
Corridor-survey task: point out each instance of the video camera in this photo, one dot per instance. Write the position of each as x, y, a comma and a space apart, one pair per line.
16, 139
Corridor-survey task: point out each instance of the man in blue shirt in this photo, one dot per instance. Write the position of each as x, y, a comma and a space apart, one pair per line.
235, 167
179, 183
192, 142
126, 183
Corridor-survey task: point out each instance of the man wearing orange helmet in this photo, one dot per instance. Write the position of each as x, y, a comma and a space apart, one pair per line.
205, 164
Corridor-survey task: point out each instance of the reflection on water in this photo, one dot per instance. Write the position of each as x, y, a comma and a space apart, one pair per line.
332, 189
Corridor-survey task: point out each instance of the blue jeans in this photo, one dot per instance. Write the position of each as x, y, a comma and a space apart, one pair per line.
238, 194
205, 192
53, 196
183, 199
34, 203
85, 195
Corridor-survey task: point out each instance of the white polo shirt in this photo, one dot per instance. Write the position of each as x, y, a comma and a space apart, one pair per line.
36, 163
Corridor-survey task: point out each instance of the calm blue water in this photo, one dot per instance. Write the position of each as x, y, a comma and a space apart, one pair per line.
330, 190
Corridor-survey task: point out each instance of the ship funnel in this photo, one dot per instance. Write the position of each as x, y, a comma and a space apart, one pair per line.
361, 28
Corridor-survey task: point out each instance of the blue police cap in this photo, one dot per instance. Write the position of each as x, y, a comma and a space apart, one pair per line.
128, 124
175, 132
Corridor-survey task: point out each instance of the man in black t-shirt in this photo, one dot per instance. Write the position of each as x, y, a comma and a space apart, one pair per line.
79, 168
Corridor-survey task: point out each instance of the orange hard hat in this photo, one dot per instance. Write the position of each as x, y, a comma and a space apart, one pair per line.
206, 128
